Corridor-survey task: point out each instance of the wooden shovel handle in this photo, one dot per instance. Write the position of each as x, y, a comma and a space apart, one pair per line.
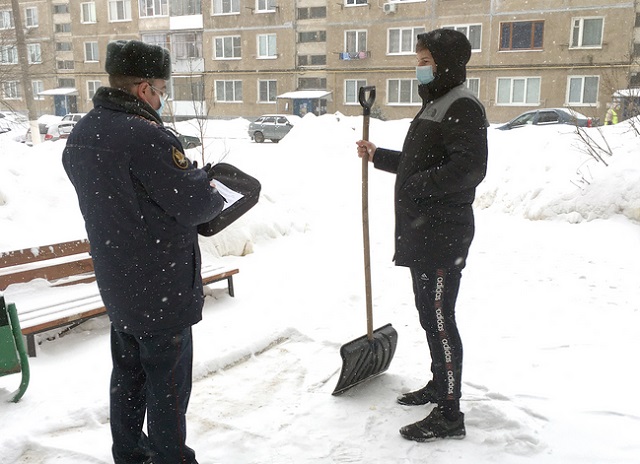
366, 103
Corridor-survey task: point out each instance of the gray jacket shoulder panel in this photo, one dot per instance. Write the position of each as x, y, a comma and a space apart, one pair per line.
437, 109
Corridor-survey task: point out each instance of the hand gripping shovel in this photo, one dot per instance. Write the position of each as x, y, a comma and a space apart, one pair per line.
371, 354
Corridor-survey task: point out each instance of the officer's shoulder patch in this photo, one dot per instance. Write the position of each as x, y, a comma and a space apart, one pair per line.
179, 159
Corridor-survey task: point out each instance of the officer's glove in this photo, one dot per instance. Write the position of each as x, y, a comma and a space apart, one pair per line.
208, 168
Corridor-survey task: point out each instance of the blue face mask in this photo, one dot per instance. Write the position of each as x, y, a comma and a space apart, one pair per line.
162, 103
424, 74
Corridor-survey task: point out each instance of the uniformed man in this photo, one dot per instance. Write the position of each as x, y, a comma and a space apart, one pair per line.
142, 201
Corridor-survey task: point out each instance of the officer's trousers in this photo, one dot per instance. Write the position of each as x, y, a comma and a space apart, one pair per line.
151, 374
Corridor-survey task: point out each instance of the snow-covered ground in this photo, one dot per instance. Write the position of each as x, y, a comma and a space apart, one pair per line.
549, 308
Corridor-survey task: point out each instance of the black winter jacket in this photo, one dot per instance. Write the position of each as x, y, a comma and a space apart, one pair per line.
142, 201
443, 159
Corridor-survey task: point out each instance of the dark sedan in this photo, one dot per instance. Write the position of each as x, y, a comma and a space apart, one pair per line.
545, 116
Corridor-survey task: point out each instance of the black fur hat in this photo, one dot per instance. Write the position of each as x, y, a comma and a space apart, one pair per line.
138, 59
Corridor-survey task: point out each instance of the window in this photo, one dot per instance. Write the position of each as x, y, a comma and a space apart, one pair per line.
267, 91
91, 51
226, 7
312, 83
473, 84
518, 91
11, 90
36, 88
161, 40
185, 7
88, 12
547, 117
473, 33
63, 46
263, 6
8, 54
150, 8
523, 35
312, 60
267, 46
65, 64
356, 2
65, 27
583, 90
312, 12
351, 89
227, 47
403, 41
587, 33
6, 19
119, 10
187, 45
403, 92
355, 41
92, 88
189, 89
35, 53
61, 8
313, 36
228, 91
67, 83
197, 90
31, 17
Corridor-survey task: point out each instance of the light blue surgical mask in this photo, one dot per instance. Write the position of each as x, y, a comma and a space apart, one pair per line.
163, 98
424, 74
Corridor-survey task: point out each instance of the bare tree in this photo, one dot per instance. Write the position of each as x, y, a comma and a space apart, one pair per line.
8, 73
597, 150
201, 108
23, 60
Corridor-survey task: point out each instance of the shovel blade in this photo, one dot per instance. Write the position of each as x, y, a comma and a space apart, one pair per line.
363, 359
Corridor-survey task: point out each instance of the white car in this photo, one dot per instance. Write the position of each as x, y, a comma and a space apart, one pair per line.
272, 126
75, 117
59, 130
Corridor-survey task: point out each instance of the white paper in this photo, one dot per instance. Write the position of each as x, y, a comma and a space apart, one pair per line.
231, 196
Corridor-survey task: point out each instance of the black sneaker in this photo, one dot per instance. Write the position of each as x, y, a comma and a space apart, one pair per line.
425, 395
433, 427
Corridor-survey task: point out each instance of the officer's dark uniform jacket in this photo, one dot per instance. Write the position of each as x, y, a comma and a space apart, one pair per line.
443, 159
142, 201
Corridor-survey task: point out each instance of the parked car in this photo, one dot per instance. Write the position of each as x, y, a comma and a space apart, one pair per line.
59, 130
272, 126
10, 121
75, 117
545, 116
43, 132
189, 141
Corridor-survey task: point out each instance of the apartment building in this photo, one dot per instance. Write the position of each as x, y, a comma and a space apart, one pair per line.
248, 57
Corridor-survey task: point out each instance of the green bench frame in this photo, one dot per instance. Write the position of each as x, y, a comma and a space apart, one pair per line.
13, 355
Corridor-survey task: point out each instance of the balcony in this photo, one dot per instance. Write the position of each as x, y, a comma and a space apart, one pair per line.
192, 22
185, 65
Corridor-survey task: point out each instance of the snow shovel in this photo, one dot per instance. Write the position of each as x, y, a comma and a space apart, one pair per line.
369, 355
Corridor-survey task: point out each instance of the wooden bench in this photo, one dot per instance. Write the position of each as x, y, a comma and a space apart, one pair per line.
69, 294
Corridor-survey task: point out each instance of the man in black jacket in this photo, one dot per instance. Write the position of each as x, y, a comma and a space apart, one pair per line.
443, 159
142, 201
